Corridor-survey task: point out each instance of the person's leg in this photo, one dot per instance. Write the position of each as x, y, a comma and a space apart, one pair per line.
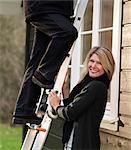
29, 92
63, 35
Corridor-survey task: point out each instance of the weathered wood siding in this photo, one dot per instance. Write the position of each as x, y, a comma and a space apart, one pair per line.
125, 80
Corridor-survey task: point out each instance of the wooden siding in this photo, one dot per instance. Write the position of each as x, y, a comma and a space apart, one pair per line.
127, 12
126, 58
125, 107
126, 35
126, 81
125, 75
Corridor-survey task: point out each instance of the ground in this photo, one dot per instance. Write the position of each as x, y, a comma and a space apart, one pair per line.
10, 137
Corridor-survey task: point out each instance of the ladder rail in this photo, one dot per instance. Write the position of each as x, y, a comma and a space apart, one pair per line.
41, 137
38, 104
27, 144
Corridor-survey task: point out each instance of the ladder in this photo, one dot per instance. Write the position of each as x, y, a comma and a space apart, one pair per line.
36, 136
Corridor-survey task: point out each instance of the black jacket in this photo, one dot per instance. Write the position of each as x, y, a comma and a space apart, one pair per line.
85, 113
37, 8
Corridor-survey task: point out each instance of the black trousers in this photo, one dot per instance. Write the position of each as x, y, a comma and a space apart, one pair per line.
53, 38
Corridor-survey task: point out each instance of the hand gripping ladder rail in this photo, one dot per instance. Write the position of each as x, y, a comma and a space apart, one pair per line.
36, 136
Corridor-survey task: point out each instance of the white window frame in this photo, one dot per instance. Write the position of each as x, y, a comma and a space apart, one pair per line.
110, 119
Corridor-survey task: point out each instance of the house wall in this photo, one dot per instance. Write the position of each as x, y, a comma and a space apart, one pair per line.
122, 138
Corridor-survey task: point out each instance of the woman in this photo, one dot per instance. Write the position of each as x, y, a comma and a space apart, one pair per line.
83, 110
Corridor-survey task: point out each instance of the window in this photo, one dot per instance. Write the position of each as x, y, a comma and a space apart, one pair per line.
101, 26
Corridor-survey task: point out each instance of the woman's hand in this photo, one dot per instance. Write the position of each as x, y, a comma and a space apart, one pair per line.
54, 99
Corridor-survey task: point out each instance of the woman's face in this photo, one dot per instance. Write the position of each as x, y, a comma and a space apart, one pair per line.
95, 67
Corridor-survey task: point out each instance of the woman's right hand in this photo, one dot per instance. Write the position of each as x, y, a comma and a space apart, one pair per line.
54, 99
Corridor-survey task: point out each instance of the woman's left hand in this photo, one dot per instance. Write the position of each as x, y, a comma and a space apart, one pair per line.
54, 99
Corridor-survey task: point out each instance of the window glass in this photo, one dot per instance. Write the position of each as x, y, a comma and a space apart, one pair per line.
88, 16
86, 42
106, 13
105, 39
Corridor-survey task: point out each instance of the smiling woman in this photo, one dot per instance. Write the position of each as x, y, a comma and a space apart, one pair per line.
83, 110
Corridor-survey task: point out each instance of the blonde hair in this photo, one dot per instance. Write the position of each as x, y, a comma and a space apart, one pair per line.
106, 59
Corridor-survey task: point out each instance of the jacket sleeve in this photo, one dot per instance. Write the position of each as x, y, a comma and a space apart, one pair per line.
82, 101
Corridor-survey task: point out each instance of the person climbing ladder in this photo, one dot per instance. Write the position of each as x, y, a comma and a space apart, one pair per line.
53, 37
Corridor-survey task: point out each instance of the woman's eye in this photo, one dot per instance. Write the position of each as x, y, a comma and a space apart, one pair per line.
99, 63
91, 60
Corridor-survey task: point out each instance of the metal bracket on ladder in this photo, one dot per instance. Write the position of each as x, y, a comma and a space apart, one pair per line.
36, 136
